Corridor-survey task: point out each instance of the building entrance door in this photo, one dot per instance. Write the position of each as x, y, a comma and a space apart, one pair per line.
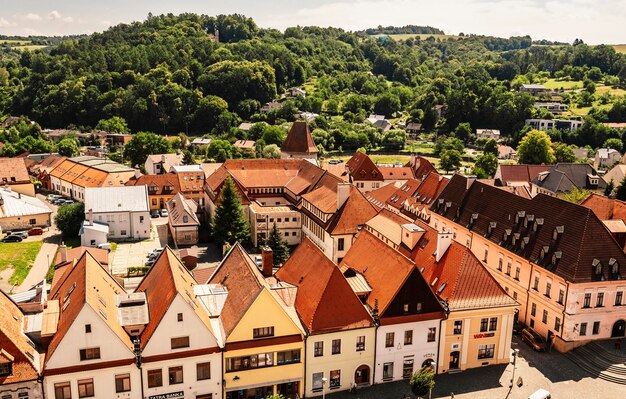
619, 328
454, 360
362, 375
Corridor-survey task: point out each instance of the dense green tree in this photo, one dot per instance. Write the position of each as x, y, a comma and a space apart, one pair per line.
188, 158
219, 150
613, 143
114, 124
68, 147
608, 190
535, 149
448, 143
620, 192
423, 381
564, 153
279, 246
229, 224
491, 147
450, 160
463, 131
274, 135
69, 219
394, 140
577, 195
387, 104
143, 144
271, 151
485, 166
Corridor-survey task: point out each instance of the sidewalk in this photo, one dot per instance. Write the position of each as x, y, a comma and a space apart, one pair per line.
41, 265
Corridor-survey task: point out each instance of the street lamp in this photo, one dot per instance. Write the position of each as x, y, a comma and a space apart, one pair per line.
515, 354
324, 380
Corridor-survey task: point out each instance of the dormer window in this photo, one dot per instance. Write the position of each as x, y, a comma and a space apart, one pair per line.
6, 369
597, 268
614, 265
506, 235
538, 222
558, 230
519, 215
556, 257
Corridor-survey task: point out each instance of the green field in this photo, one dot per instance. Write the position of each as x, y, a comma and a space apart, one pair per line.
404, 36
614, 91
620, 48
554, 84
20, 257
13, 42
31, 47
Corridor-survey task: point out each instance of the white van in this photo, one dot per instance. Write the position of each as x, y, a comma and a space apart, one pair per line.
105, 245
540, 394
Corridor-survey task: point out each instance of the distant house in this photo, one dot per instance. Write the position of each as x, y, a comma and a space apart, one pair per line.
296, 92
246, 126
269, 107
615, 125
414, 128
487, 134
606, 157
183, 221
562, 178
616, 174
200, 141
160, 188
378, 121
18, 211
555, 108
245, 145
581, 153
308, 116
161, 163
518, 175
534, 89
506, 152
118, 139
560, 124
299, 143
13, 173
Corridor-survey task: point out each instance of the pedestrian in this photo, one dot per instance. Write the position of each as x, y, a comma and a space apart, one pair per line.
451, 395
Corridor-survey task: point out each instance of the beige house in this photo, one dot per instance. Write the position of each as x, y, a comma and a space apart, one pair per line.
183, 221
14, 174
20, 212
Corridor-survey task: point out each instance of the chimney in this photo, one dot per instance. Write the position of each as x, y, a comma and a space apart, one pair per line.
163, 158
63, 252
137, 172
443, 243
343, 193
90, 216
267, 261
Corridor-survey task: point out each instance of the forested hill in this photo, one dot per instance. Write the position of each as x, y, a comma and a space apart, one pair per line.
169, 74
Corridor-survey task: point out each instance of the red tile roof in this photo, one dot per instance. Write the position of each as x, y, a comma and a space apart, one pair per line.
605, 208
520, 173
380, 196
157, 183
324, 194
421, 166
241, 277
14, 170
361, 167
14, 345
60, 267
396, 173
325, 301
352, 215
299, 139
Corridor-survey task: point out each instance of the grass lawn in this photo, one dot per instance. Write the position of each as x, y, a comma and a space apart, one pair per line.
615, 91
404, 36
620, 48
20, 257
31, 47
554, 84
14, 42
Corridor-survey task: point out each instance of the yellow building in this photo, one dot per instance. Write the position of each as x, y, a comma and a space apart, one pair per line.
13, 173
264, 340
161, 188
341, 332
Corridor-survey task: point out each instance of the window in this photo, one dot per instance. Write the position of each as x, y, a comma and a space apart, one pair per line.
336, 346
185, 219
557, 324
288, 357
87, 328
408, 337
279, 220
596, 328
536, 284
544, 317
335, 379
360, 343
517, 272
62, 390
583, 329
387, 371
458, 327
318, 348
340, 244
432, 334
32, 221
587, 301
286, 234
140, 219
180, 342
508, 269
122, 383
533, 310
123, 232
561, 296
263, 332
548, 289
155, 378
486, 255
486, 351
407, 368
294, 219
600, 300
203, 371
618, 298
85, 388
483, 324
389, 338
318, 382
515, 295
6, 369
90, 354
175, 375
250, 362
405, 308
154, 201
500, 261
179, 317
493, 324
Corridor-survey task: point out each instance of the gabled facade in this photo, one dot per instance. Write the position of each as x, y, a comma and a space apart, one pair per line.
161, 188
340, 330
20, 362
13, 173
264, 340
181, 356
158, 164
299, 143
363, 173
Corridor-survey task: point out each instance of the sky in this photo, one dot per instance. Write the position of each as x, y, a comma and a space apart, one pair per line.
593, 21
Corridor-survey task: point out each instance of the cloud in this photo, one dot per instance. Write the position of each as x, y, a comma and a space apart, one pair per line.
5, 24
57, 16
30, 17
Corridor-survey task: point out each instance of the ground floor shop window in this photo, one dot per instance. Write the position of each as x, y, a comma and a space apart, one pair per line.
335, 379
388, 371
486, 351
407, 368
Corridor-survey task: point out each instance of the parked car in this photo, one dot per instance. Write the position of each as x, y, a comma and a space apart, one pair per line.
150, 262
334, 161
258, 260
154, 214
164, 213
58, 201
540, 394
12, 238
35, 231
52, 197
534, 340
22, 234
104, 245
66, 202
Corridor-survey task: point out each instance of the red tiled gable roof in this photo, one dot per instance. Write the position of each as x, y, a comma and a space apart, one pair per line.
245, 144
158, 181
308, 174
62, 168
605, 208
421, 167
583, 238
81, 286
14, 344
190, 181
299, 139
361, 167
338, 170
353, 214
49, 163
324, 194
396, 173
14, 170
521, 173
263, 172
60, 267
462, 280
325, 301
404, 192
166, 279
385, 269
179, 207
203, 275
240, 276
380, 196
